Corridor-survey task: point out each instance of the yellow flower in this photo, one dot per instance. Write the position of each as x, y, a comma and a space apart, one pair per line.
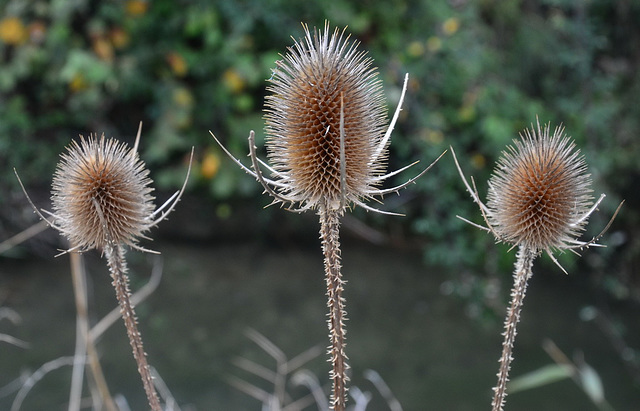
78, 83
450, 26
12, 31
119, 38
233, 80
183, 97
415, 49
103, 48
210, 165
434, 44
177, 63
136, 8
478, 161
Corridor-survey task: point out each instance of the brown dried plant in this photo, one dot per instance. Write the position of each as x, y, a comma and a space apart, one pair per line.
326, 139
102, 200
539, 201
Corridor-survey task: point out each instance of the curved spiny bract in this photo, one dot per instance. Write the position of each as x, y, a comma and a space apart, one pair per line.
325, 118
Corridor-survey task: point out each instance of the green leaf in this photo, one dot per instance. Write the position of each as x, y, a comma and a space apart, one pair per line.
540, 377
591, 383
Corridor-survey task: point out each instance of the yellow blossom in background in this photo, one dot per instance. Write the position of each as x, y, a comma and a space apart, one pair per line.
136, 8
78, 83
478, 161
466, 113
12, 31
415, 49
434, 137
177, 63
233, 80
210, 165
434, 44
182, 97
119, 38
451, 25
103, 48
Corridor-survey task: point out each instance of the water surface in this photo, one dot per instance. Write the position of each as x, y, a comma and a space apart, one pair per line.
425, 346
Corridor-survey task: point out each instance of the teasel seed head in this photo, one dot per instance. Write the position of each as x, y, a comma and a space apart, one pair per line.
322, 89
539, 195
101, 194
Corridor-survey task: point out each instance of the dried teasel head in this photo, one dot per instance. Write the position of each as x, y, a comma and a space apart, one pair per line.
101, 193
326, 124
326, 118
539, 195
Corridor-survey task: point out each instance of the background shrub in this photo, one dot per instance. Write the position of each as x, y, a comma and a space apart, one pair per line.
479, 73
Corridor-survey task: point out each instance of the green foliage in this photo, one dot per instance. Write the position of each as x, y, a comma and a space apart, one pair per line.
479, 73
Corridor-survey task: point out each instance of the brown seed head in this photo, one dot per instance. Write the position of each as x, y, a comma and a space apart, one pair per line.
101, 194
539, 194
320, 77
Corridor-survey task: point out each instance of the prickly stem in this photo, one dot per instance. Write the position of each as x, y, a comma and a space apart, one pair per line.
329, 234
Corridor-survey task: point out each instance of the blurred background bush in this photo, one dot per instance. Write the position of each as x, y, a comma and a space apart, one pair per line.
480, 72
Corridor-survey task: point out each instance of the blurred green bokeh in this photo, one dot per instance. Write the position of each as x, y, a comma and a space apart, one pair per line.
480, 72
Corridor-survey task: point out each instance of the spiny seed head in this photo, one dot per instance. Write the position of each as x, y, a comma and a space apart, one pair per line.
318, 78
101, 194
539, 194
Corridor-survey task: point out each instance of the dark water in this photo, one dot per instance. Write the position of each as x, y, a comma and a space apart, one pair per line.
429, 351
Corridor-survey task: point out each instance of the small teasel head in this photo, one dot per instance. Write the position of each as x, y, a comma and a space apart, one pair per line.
539, 195
101, 194
325, 121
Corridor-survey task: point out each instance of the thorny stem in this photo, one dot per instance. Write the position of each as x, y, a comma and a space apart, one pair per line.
521, 275
118, 269
330, 236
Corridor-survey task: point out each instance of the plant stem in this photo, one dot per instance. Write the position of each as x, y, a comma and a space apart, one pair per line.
82, 329
521, 275
118, 268
330, 236
84, 339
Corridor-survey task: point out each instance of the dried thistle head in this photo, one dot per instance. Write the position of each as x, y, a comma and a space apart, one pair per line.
325, 90
539, 194
326, 126
101, 193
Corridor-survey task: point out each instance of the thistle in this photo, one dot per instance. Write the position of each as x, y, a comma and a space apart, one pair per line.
326, 139
539, 200
102, 200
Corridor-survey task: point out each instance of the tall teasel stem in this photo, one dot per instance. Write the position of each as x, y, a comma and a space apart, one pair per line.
114, 253
539, 200
327, 138
330, 236
521, 276
102, 200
